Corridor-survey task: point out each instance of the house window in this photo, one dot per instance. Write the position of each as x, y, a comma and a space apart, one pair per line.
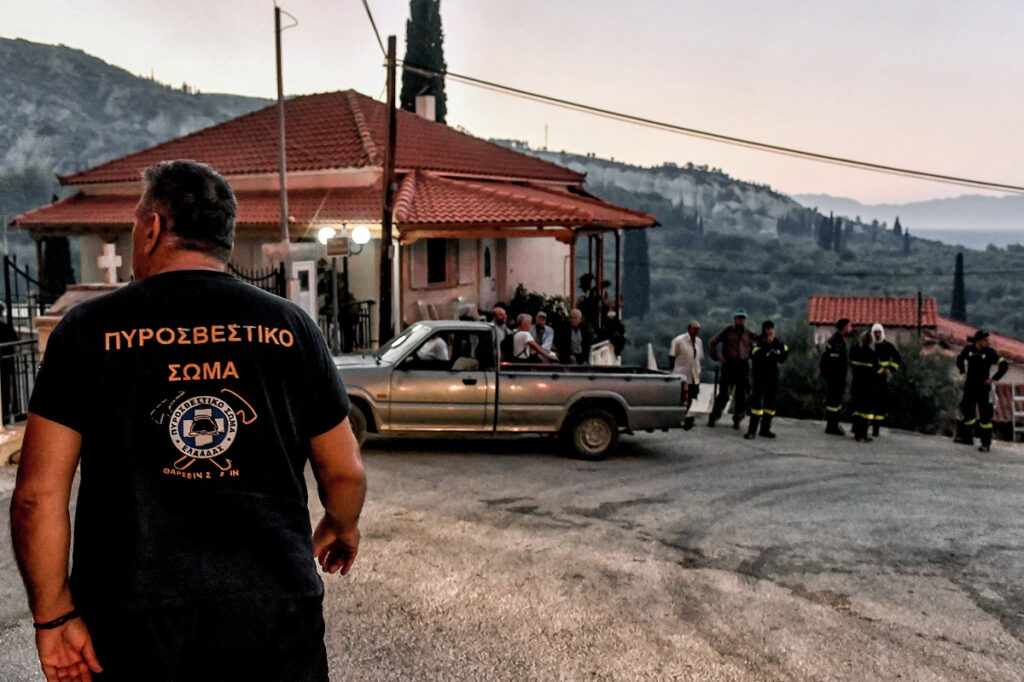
437, 261
487, 262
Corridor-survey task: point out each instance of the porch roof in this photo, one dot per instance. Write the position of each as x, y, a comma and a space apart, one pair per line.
426, 205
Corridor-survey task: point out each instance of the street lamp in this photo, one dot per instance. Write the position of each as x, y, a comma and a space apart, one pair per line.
341, 246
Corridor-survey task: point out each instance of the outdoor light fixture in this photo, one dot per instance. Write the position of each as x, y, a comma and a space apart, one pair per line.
325, 233
361, 234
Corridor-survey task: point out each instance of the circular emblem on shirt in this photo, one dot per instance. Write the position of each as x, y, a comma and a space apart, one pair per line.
203, 427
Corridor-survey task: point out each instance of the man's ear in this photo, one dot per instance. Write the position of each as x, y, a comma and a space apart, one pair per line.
153, 232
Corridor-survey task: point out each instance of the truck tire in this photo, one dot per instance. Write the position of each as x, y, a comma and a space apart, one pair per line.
357, 420
591, 434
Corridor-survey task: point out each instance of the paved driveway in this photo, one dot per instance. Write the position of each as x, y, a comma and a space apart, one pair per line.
688, 555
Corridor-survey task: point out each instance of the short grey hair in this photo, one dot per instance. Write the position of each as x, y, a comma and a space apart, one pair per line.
521, 317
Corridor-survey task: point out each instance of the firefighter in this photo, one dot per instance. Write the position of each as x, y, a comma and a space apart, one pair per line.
832, 368
767, 354
889, 358
865, 369
975, 364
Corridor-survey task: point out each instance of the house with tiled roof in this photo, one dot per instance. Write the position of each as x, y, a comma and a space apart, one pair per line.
902, 317
471, 219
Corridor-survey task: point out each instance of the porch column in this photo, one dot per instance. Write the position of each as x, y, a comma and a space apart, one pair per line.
600, 274
618, 273
572, 273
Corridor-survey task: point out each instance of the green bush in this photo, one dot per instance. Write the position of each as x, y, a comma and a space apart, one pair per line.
801, 392
923, 394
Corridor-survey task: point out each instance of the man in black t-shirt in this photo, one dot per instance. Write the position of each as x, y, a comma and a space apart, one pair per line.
193, 402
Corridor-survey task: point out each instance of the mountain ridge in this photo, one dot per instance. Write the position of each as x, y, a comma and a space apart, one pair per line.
65, 110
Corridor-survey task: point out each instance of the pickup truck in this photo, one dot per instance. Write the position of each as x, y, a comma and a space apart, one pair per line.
404, 388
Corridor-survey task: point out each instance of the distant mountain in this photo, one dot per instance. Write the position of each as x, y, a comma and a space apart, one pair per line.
964, 213
63, 110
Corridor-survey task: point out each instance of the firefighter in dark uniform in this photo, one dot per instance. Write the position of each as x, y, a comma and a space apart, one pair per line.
865, 370
767, 354
889, 358
975, 364
832, 368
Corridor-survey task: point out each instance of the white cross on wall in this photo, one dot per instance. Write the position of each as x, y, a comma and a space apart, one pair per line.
110, 262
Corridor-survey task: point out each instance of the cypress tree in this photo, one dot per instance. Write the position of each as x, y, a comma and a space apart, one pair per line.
424, 49
897, 229
906, 243
636, 285
958, 309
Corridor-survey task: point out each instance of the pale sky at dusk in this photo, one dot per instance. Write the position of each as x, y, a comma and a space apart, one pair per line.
932, 85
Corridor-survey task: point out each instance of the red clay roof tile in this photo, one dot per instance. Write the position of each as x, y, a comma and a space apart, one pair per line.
328, 131
423, 199
865, 310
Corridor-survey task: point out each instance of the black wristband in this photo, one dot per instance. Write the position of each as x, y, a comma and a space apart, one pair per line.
56, 622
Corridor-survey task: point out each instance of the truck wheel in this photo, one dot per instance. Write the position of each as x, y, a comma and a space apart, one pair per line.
357, 420
591, 434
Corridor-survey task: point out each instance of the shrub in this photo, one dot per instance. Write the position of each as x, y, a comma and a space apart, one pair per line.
922, 395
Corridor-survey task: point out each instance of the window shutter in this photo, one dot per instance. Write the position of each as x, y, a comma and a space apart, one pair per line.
418, 264
467, 263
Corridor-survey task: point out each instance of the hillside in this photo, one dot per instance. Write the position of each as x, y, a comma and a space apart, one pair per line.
723, 204
64, 110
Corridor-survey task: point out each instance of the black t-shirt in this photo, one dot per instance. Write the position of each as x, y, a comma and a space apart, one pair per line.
196, 397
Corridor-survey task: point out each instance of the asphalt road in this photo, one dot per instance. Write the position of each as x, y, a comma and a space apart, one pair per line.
688, 555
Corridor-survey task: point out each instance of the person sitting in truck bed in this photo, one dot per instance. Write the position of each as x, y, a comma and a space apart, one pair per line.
524, 348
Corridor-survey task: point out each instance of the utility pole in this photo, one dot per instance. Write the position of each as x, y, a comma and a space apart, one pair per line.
282, 162
386, 328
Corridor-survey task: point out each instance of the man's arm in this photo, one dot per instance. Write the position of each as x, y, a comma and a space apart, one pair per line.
341, 483
41, 531
713, 346
541, 351
549, 339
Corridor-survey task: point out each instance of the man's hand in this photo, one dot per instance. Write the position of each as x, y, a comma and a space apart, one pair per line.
335, 548
341, 483
66, 652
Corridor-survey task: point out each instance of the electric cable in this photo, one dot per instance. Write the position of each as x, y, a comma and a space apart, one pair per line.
718, 137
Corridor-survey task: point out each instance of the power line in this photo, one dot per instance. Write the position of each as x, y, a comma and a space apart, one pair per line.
717, 137
373, 23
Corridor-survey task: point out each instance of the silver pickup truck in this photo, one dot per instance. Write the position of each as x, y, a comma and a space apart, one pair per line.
442, 377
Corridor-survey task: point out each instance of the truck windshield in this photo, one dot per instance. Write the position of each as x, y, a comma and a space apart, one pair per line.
396, 347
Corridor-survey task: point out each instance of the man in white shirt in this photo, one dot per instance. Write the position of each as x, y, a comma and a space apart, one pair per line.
685, 357
436, 348
524, 347
542, 333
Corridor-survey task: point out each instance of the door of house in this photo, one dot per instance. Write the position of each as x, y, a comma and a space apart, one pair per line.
488, 275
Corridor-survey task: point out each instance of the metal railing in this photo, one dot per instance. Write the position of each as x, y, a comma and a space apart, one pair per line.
19, 361
272, 279
350, 331
24, 296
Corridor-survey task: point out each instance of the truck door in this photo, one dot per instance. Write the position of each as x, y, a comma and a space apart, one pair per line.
446, 384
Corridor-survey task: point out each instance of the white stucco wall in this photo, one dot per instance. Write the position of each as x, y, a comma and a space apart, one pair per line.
92, 247
541, 265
